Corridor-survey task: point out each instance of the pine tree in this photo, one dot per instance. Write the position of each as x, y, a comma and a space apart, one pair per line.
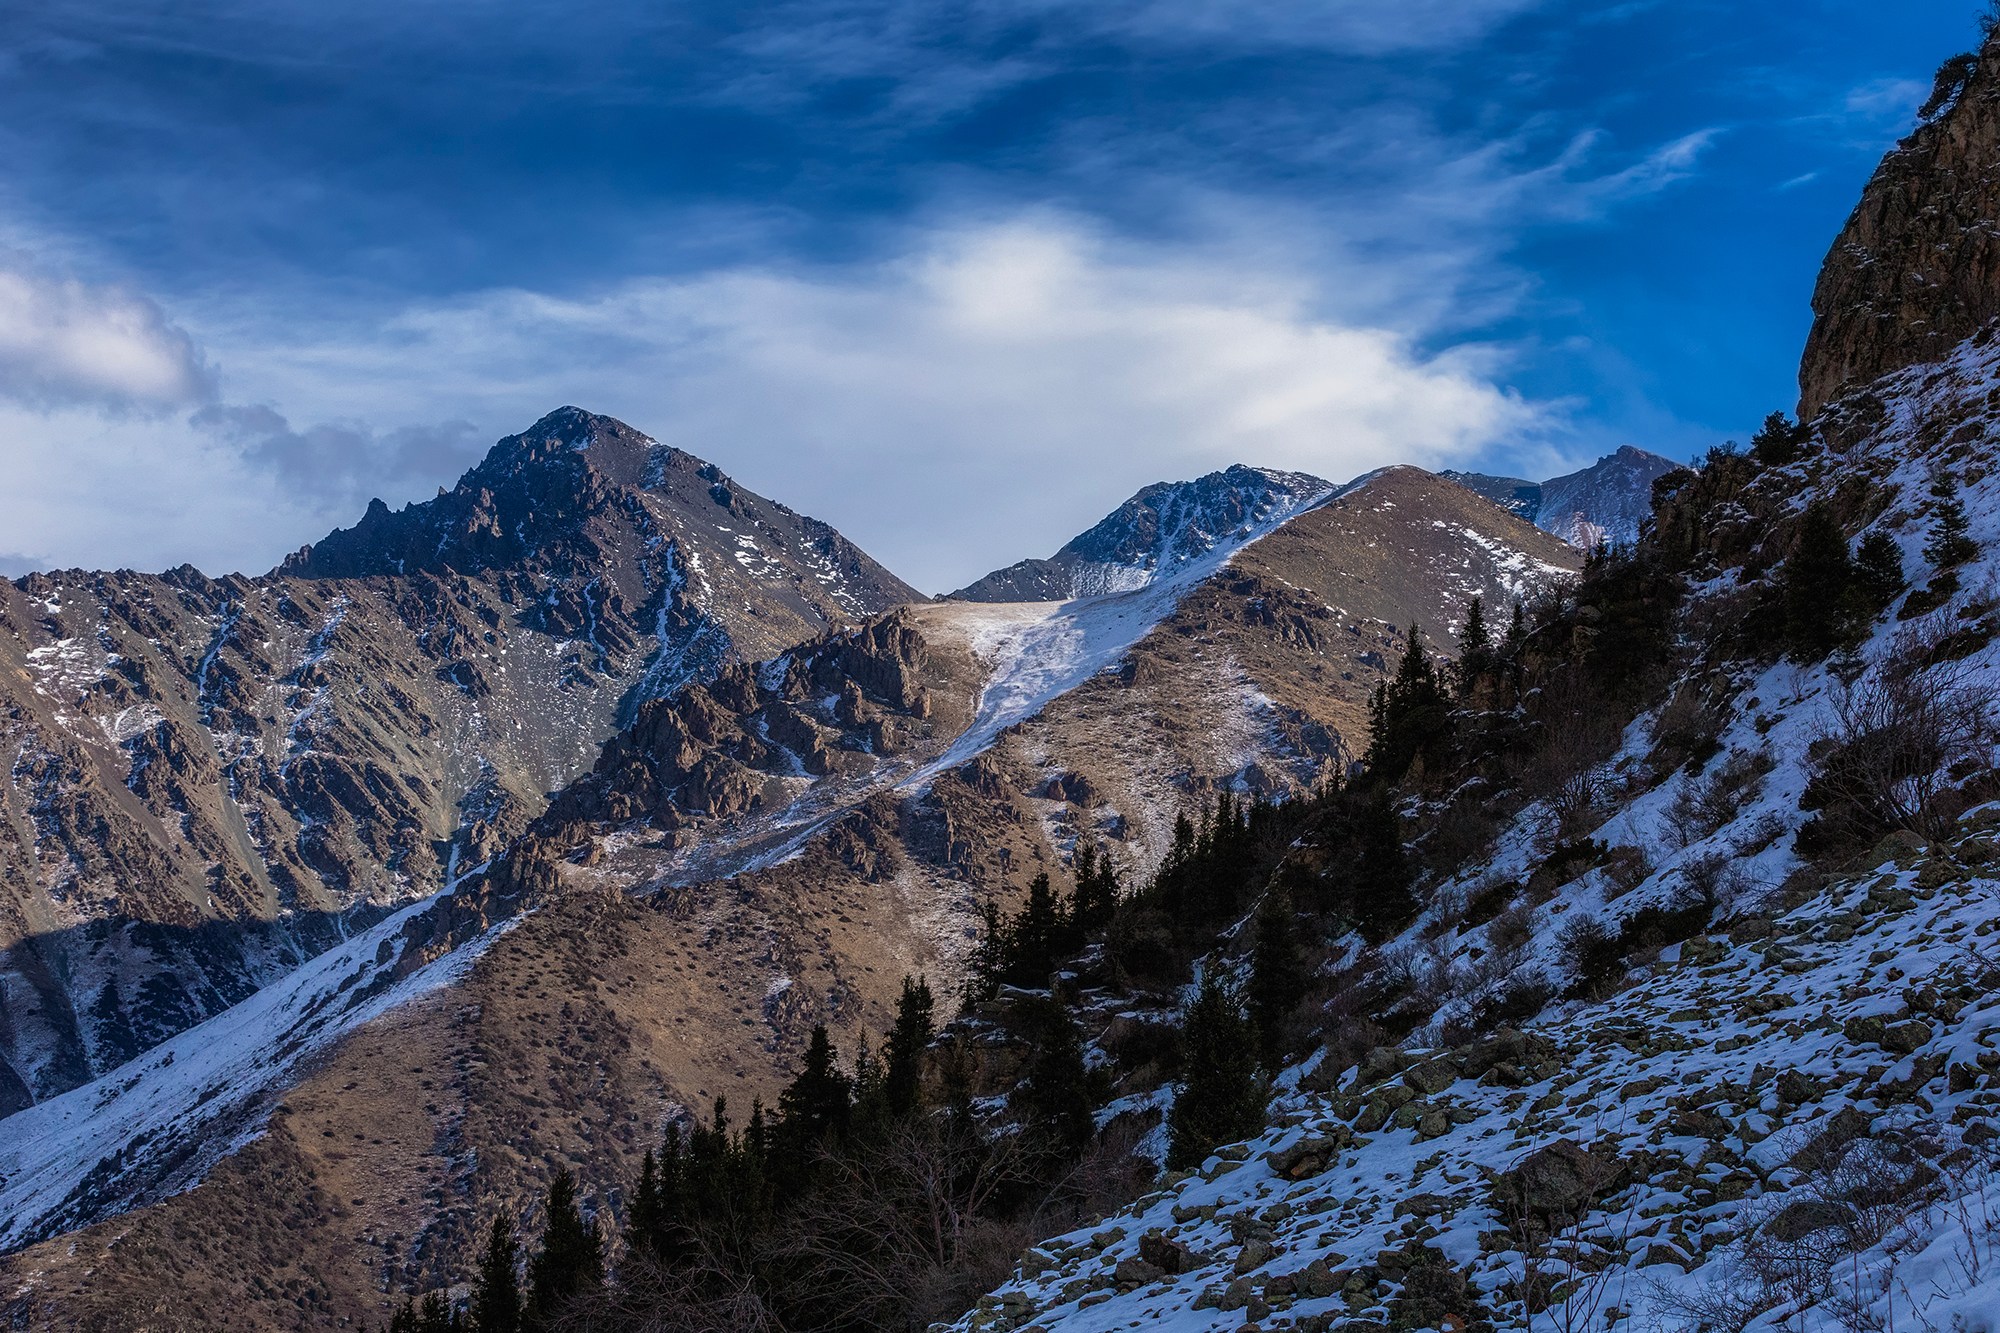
1036, 935
1951, 543
496, 1295
903, 1051
1410, 718
1096, 896
1517, 633
813, 1109
1277, 971
1382, 901
1056, 1093
1777, 441
989, 961
569, 1264
1878, 569
1819, 613
1475, 645
1220, 1100
436, 1315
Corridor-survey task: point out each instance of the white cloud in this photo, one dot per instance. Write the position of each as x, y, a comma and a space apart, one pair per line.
65, 343
980, 399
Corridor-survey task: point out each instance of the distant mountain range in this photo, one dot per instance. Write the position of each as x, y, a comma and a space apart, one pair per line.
1606, 501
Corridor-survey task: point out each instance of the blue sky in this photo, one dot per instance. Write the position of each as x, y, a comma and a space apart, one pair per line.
956, 277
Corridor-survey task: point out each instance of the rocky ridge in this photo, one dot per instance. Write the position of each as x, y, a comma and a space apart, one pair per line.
1154, 533
777, 848
211, 781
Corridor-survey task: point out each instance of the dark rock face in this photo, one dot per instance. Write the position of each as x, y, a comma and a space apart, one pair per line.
1916, 270
1149, 535
1514, 494
1606, 501
219, 779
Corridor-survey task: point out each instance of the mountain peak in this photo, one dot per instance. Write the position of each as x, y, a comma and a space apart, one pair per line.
1154, 534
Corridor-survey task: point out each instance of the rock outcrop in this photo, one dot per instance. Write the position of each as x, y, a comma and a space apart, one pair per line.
1916, 270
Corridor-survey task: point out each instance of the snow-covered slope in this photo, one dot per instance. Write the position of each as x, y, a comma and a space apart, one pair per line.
155, 1126
1787, 1125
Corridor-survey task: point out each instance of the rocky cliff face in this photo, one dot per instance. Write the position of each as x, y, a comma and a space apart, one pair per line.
210, 781
1607, 501
1917, 267
1154, 533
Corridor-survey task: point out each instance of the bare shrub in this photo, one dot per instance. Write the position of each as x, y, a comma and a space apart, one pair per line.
1579, 732
1898, 740
700, 1295
1512, 931
901, 1232
1858, 1197
1704, 803
1687, 729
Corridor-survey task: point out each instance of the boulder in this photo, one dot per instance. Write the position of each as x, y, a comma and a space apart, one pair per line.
1866, 1030
1905, 1038
1316, 1279
1558, 1179
1309, 1156
1137, 1272
1432, 1076
1254, 1255
1169, 1256
1798, 1088
1798, 1220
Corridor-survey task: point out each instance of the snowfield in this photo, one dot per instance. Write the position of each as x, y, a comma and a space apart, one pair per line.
156, 1125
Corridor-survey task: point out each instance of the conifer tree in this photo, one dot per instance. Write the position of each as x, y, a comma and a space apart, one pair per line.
1220, 1100
496, 1294
1056, 1093
1410, 718
1951, 543
1096, 896
1382, 901
870, 1116
435, 1315
1819, 613
1036, 935
1777, 441
1277, 971
570, 1262
814, 1108
1878, 569
1517, 633
1475, 645
989, 961
904, 1050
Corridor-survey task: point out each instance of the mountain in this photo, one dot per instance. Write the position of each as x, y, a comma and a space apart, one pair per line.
1515, 494
753, 855
1153, 534
1606, 501
215, 780
1639, 976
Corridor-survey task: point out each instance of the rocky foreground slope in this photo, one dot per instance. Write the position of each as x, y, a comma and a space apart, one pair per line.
209, 781
1787, 1121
